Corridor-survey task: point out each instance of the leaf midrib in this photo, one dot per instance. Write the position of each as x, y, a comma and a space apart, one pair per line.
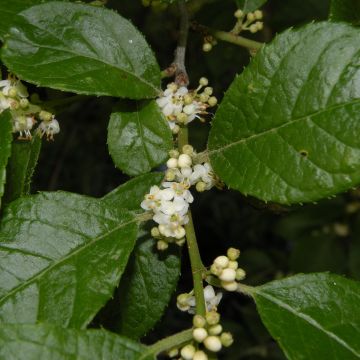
308, 319
62, 260
287, 123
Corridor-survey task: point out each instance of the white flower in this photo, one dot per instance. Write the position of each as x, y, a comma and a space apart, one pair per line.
23, 125
177, 206
13, 88
203, 173
180, 190
50, 128
212, 300
153, 200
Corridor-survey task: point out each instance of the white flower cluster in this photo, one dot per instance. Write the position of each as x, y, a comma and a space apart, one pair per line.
181, 106
170, 203
226, 268
186, 301
208, 334
13, 96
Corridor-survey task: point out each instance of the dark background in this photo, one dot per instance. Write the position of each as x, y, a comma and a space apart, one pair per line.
275, 241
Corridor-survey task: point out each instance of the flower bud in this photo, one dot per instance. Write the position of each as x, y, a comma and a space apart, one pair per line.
253, 28
189, 109
175, 130
233, 265
216, 270
226, 339
162, 245
208, 90
240, 274
258, 14
24, 103
228, 275
212, 318
188, 149
170, 175
204, 97
229, 286
172, 86
199, 334
213, 343
259, 25
45, 115
188, 99
200, 355
12, 92
182, 118
250, 16
200, 186
184, 161
203, 81
215, 330
233, 253
172, 163
221, 261
207, 47
179, 232
199, 321
212, 101
174, 153
182, 299
187, 352
155, 232
180, 242
239, 14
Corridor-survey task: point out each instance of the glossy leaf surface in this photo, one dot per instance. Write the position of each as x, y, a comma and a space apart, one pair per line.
312, 316
146, 287
287, 129
83, 49
22, 163
5, 147
61, 256
345, 10
138, 137
131, 194
44, 342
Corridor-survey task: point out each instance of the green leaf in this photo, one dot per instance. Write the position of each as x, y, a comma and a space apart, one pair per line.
61, 256
345, 10
9, 10
146, 287
44, 342
313, 316
138, 137
287, 129
5, 147
83, 49
249, 5
131, 194
21, 166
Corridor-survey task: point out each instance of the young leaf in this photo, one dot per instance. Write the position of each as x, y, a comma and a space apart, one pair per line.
345, 10
249, 5
129, 195
5, 147
21, 166
44, 342
138, 137
146, 287
83, 49
312, 316
287, 129
61, 256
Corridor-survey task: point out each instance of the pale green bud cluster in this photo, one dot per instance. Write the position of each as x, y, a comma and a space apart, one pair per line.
249, 21
226, 268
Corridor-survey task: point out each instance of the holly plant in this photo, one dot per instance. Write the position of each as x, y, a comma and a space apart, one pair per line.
91, 277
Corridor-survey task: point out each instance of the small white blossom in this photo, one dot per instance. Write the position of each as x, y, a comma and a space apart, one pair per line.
49, 128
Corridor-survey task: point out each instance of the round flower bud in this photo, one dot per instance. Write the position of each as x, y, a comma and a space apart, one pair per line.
207, 47
188, 99
200, 355
259, 25
173, 352
226, 339
184, 161
181, 118
172, 86
212, 318
199, 321
175, 130
233, 253
240, 274
208, 90
229, 285
204, 97
213, 343
233, 265
239, 14
250, 16
162, 245
180, 242
228, 275
203, 81
212, 101
200, 186
188, 149
155, 232
45, 115
187, 352
182, 299
172, 163
12, 92
215, 330
170, 175
216, 270
199, 334
179, 232
189, 109
24, 103
258, 14
222, 261
253, 28
174, 153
